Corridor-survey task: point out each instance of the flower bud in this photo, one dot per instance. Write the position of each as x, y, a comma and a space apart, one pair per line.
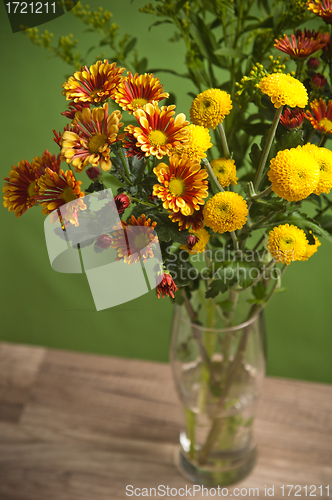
122, 201
103, 241
93, 173
313, 63
318, 81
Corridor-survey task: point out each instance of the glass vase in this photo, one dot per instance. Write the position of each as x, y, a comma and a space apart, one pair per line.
218, 362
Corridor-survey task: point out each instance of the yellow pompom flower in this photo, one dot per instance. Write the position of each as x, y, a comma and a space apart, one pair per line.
202, 238
311, 249
226, 211
294, 174
225, 171
323, 157
210, 108
199, 141
284, 89
287, 243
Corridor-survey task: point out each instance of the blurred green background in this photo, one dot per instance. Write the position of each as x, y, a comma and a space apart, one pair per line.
42, 307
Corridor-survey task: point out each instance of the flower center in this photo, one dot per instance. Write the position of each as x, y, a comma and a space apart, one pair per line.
68, 195
140, 101
141, 241
96, 142
223, 209
157, 138
31, 189
327, 124
176, 187
287, 243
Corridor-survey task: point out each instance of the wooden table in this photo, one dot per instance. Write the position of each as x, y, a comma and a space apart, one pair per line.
83, 427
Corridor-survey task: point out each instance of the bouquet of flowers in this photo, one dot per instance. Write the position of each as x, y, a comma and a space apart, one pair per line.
226, 193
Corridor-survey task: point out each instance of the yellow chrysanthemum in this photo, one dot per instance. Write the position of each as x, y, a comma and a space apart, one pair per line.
199, 141
311, 249
201, 240
210, 108
287, 243
323, 157
284, 89
225, 171
294, 174
226, 211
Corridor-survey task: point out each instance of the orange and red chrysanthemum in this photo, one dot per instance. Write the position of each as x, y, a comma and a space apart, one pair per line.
61, 189
20, 188
194, 221
129, 143
302, 44
158, 132
133, 241
90, 139
136, 91
183, 185
321, 116
58, 135
73, 107
94, 85
322, 8
292, 118
41, 163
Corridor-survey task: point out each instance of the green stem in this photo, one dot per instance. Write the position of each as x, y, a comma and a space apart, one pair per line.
124, 163
234, 239
191, 426
136, 200
322, 140
267, 148
266, 191
212, 175
223, 139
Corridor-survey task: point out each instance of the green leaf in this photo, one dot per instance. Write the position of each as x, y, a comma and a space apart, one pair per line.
259, 291
255, 155
157, 23
137, 167
165, 228
129, 46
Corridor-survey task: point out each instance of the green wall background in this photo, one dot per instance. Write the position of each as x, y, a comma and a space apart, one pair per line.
42, 307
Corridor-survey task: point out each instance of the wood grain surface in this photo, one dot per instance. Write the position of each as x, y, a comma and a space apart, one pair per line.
82, 427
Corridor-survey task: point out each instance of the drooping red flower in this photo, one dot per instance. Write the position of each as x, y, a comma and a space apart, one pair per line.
292, 118
191, 241
122, 201
166, 287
